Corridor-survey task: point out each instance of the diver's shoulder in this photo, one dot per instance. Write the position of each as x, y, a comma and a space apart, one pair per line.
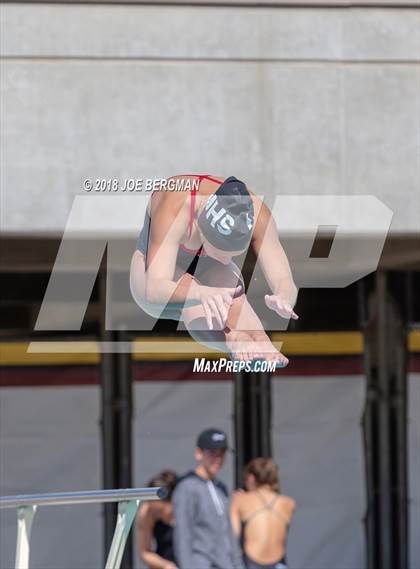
288, 502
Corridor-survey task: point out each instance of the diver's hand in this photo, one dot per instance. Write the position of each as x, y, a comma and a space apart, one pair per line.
280, 305
216, 302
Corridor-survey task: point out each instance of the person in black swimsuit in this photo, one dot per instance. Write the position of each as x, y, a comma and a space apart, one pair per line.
155, 522
261, 517
182, 268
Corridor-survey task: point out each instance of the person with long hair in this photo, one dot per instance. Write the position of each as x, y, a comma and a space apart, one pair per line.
155, 523
261, 516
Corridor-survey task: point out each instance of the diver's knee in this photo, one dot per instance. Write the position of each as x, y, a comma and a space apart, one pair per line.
148, 307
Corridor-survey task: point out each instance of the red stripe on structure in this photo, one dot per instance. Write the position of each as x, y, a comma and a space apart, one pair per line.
333, 365
413, 364
43, 376
179, 371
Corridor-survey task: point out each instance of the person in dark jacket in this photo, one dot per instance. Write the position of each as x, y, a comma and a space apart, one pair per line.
203, 536
155, 523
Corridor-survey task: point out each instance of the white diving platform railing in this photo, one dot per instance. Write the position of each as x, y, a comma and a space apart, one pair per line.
128, 503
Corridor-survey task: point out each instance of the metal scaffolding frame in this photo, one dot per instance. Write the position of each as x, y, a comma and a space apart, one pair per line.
385, 431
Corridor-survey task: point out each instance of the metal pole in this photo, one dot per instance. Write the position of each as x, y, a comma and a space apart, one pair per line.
124, 430
254, 430
108, 442
109, 478
409, 298
252, 418
385, 432
82, 497
368, 326
124, 382
361, 304
265, 413
400, 411
25, 519
385, 487
126, 514
369, 444
27, 505
239, 427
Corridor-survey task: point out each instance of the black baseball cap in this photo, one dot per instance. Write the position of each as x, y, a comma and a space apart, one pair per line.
212, 439
227, 219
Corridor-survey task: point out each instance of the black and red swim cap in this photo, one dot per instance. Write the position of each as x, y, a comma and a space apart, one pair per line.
228, 216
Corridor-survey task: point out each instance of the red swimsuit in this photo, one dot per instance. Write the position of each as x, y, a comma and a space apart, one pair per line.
192, 212
143, 240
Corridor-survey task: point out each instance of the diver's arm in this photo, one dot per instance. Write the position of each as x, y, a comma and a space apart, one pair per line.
167, 229
273, 259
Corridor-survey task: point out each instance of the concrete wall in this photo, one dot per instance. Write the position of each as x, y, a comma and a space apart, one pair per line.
292, 100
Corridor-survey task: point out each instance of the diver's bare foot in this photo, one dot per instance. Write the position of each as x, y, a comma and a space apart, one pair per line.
253, 345
242, 345
265, 347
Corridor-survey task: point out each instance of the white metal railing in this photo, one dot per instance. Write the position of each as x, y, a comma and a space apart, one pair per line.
128, 503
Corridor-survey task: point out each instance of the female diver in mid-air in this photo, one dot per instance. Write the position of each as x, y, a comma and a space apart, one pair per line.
182, 268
